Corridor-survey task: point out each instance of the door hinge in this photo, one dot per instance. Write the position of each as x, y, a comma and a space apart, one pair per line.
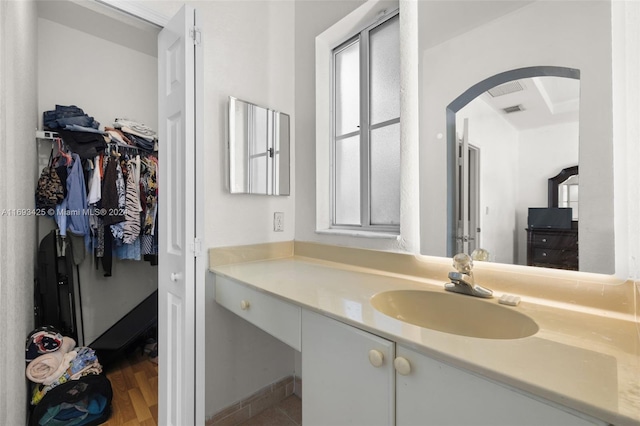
196, 247
195, 35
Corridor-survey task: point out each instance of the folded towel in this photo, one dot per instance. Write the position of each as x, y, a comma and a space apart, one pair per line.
48, 367
64, 364
83, 364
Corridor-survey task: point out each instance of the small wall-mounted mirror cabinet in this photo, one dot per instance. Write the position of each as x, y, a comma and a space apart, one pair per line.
259, 149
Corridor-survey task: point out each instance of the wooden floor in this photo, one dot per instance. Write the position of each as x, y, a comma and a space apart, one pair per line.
134, 379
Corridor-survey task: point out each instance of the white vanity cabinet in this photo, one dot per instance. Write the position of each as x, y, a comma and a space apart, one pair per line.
347, 375
353, 377
433, 393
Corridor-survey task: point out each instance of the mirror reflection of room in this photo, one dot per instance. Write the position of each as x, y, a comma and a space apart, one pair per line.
258, 149
515, 136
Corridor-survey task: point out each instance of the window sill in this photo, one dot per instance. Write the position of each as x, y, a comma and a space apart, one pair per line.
360, 234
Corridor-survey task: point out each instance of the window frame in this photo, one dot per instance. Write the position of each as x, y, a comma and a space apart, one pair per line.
365, 129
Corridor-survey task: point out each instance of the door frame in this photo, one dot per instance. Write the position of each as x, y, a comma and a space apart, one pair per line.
149, 15
467, 193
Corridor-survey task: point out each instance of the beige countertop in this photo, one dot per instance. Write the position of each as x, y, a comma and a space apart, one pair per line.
583, 358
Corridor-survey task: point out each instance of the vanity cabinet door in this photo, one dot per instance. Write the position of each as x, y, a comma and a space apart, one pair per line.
433, 393
348, 375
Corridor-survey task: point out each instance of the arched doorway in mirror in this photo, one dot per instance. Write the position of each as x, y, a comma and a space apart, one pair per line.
506, 135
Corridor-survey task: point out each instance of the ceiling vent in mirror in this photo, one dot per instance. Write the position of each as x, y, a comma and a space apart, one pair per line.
514, 108
505, 89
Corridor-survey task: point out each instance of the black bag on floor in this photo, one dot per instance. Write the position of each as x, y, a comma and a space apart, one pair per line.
55, 285
86, 401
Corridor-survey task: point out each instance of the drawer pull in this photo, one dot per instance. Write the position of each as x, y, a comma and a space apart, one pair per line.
244, 305
402, 366
376, 358
544, 254
544, 240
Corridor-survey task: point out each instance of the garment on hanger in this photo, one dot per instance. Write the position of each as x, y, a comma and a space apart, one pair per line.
71, 214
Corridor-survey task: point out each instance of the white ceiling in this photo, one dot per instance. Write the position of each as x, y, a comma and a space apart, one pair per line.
102, 21
441, 20
545, 101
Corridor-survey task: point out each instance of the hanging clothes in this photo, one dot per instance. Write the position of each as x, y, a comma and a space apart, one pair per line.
71, 214
111, 198
111, 188
132, 204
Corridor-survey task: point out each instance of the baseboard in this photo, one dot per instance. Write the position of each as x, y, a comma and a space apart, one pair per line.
256, 403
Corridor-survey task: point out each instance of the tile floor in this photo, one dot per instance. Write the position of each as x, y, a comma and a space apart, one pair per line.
287, 412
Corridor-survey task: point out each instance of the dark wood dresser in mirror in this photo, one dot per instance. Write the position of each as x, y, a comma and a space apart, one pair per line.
556, 245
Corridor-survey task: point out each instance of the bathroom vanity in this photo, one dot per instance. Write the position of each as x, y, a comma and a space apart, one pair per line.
579, 366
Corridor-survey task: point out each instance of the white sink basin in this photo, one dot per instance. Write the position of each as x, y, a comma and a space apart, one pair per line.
455, 314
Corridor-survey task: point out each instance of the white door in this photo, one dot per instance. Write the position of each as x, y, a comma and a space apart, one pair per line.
348, 375
180, 272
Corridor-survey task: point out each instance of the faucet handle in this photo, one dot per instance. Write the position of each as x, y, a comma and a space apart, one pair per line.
463, 263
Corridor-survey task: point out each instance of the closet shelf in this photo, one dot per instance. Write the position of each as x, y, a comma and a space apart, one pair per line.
51, 135
46, 134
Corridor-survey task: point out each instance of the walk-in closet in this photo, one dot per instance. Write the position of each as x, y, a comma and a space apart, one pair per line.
104, 62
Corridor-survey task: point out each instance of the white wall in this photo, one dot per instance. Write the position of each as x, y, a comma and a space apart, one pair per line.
543, 153
497, 141
248, 53
18, 120
108, 81
576, 34
626, 130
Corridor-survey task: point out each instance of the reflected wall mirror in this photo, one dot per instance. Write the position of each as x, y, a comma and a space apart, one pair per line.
259, 149
475, 54
563, 191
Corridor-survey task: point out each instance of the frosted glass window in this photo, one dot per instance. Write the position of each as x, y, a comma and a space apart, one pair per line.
347, 181
366, 123
347, 89
384, 45
385, 175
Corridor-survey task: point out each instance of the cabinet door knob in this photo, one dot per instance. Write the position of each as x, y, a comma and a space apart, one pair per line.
376, 358
244, 305
402, 366
544, 240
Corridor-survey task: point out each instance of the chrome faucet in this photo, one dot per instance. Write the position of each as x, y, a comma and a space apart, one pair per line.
462, 280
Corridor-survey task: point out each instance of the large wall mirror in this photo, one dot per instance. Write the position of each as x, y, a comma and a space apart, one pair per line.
469, 48
259, 149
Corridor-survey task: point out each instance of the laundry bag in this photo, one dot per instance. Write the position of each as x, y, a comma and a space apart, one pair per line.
85, 401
